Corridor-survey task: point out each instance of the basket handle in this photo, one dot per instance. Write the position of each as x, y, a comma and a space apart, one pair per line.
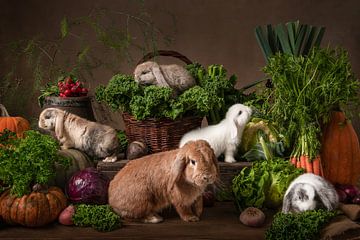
168, 53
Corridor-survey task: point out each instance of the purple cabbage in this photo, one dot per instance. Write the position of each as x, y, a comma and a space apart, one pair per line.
88, 186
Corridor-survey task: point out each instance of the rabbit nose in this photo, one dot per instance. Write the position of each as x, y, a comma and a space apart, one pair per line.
206, 178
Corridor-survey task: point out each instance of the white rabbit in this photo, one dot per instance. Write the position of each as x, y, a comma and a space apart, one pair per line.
174, 76
225, 136
72, 131
309, 192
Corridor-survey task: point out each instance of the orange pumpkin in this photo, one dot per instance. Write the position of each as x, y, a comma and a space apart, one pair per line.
34, 210
14, 124
340, 151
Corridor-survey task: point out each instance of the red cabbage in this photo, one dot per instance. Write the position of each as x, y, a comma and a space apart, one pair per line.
88, 186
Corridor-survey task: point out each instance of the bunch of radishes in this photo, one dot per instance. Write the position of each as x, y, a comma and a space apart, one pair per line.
70, 87
348, 193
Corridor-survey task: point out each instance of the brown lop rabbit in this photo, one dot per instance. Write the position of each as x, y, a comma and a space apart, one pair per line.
149, 184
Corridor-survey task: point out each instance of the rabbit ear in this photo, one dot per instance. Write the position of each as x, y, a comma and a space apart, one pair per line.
59, 123
159, 75
326, 197
177, 168
287, 201
233, 130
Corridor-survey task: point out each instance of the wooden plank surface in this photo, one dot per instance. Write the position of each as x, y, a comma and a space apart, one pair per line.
227, 170
218, 222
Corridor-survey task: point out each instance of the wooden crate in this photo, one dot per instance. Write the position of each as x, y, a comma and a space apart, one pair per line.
227, 170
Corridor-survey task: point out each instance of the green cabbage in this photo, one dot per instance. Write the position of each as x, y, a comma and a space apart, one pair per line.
265, 182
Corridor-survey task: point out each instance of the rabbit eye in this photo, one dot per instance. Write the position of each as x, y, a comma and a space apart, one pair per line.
240, 112
193, 162
145, 71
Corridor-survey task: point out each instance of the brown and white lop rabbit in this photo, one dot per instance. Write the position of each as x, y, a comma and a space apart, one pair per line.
178, 177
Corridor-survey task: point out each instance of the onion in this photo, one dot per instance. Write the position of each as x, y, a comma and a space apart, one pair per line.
342, 195
252, 217
136, 149
356, 200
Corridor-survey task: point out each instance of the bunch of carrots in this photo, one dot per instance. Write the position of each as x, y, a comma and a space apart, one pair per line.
305, 155
309, 165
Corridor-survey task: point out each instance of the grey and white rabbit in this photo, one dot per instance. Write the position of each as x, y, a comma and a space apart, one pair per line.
95, 139
309, 192
173, 76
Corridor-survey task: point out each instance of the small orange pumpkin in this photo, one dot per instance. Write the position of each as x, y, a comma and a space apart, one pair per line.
15, 124
34, 210
340, 151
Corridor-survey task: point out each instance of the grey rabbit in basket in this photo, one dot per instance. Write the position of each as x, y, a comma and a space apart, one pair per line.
173, 76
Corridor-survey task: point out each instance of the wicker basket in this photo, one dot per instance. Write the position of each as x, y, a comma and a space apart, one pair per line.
160, 134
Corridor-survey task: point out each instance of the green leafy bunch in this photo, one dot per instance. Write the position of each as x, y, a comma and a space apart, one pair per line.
119, 92
306, 90
265, 182
100, 217
155, 102
210, 98
123, 142
25, 162
220, 89
299, 226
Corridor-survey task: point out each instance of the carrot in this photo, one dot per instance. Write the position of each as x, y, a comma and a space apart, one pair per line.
308, 165
293, 161
298, 165
303, 161
316, 166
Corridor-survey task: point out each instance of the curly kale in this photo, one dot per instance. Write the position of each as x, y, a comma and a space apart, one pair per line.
100, 217
25, 162
211, 97
215, 82
305, 225
153, 103
119, 92
123, 142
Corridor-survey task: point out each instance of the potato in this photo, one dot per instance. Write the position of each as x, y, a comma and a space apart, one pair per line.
66, 215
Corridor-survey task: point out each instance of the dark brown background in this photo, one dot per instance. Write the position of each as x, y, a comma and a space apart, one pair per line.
206, 31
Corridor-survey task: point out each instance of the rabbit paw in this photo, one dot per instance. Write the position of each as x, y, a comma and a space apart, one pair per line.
153, 218
191, 218
110, 159
230, 159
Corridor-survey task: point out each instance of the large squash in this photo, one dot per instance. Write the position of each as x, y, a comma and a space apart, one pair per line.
78, 161
340, 151
34, 210
14, 124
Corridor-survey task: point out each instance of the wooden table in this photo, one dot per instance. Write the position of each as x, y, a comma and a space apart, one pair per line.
218, 222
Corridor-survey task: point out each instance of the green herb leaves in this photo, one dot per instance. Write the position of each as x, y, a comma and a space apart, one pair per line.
211, 97
99, 217
24, 162
305, 225
306, 90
